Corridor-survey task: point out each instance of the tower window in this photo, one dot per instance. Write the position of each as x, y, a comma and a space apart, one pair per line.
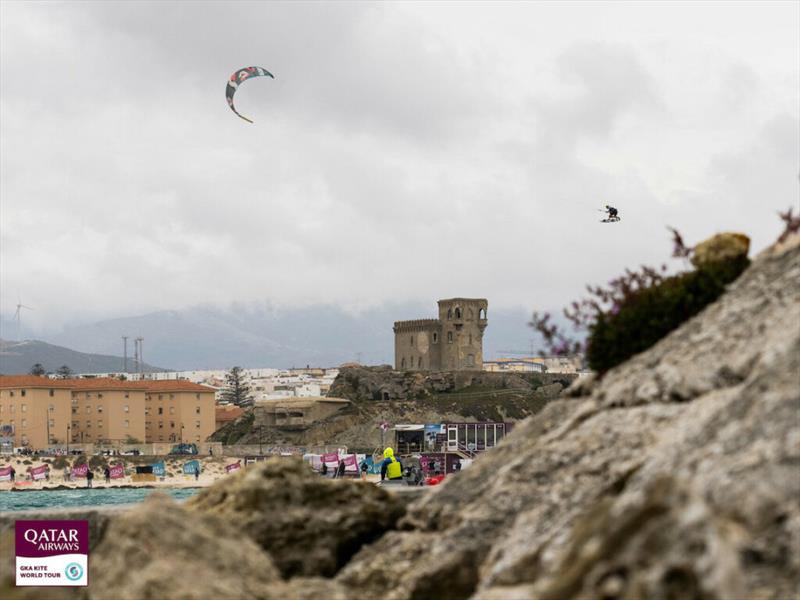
482, 313
458, 313
412, 340
449, 337
470, 339
435, 338
449, 313
419, 362
403, 363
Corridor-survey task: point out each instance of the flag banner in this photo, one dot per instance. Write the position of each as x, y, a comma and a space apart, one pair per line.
159, 469
38, 473
190, 467
80, 470
350, 460
5, 474
330, 457
117, 471
234, 467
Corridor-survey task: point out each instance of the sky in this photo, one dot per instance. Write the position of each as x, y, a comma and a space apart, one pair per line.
403, 152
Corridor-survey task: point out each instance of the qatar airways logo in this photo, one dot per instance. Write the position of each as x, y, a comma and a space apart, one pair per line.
52, 553
62, 540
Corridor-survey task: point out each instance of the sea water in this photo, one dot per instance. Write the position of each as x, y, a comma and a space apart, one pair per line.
83, 497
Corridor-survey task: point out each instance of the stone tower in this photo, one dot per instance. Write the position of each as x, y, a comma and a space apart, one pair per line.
453, 342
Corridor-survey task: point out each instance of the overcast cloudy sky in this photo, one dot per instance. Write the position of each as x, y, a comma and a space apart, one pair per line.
404, 151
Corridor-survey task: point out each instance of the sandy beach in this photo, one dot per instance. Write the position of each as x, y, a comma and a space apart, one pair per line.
212, 469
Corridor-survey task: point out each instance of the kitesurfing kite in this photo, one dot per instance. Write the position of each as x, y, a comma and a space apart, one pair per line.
236, 80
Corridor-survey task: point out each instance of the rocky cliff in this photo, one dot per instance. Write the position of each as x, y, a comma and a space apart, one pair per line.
675, 476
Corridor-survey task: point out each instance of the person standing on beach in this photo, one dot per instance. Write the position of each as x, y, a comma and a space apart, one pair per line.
107, 474
324, 470
364, 469
67, 474
13, 473
89, 477
196, 472
340, 471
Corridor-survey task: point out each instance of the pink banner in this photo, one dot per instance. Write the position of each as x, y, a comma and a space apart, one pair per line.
80, 470
350, 460
330, 457
117, 471
235, 466
5, 474
39, 472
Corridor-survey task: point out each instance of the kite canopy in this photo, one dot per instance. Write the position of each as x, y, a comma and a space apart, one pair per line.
236, 80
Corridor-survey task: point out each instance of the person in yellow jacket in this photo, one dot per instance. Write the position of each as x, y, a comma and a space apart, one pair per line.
391, 468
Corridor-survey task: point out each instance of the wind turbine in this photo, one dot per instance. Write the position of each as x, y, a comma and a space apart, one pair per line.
18, 316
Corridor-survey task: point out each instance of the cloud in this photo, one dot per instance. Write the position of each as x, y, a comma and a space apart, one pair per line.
403, 152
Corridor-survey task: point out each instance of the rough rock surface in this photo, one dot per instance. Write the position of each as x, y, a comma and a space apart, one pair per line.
723, 246
309, 525
675, 476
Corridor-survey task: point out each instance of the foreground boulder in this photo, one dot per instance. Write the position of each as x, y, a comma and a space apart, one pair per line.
308, 524
675, 476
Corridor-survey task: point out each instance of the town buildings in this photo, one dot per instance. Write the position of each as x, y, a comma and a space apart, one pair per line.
38, 412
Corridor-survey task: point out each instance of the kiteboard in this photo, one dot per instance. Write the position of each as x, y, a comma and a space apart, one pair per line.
610, 220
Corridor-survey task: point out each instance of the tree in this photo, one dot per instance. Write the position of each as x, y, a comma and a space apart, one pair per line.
64, 372
237, 390
38, 370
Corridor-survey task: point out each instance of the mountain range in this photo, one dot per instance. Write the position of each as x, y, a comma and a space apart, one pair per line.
208, 337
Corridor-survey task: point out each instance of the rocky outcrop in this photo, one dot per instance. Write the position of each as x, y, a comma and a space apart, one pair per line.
675, 476
309, 525
363, 384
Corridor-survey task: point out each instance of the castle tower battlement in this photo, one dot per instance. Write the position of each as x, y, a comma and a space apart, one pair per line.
453, 342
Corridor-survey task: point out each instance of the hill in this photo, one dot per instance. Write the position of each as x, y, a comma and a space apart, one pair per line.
19, 357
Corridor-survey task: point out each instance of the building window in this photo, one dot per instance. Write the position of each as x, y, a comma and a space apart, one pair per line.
458, 313
161, 410
99, 395
435, 338
197, 424
449, 337
99, 423
22, 393
412, 341
88, 424
99, 408
52, 422
482, 313
172, 396
24, 423
51, 407
419, 362
127, 408
52, 393
197, 438
88, 409
24, 408
172, 410
13, 407
197, 396
74, 399
471, 360
74, 410
470, 339
146, 410
449, 313
161, 424
88, 395
197, 410
160, 397
127, 395
403, 363
161, 438
127, 423
172, 424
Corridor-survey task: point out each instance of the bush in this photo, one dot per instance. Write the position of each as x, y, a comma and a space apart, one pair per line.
60, 462
651, 313
97, 462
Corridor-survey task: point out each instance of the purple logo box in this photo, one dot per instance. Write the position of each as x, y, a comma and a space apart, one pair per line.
36, 539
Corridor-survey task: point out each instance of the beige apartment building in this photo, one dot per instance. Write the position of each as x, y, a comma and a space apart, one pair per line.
31, 408
38, 412
107, 411
178, 411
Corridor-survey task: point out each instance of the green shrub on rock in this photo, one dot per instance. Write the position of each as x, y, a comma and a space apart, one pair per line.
650, 314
